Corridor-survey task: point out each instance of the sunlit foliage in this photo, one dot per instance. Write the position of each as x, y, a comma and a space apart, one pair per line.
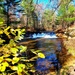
13, 58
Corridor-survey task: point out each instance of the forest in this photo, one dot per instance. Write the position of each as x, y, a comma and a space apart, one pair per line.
32, 30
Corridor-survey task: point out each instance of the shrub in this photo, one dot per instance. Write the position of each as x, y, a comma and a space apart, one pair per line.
12, 61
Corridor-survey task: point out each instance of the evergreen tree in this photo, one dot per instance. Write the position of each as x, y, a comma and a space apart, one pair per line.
12, 9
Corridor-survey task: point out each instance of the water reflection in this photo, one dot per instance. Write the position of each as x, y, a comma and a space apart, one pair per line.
50, 62
49, 46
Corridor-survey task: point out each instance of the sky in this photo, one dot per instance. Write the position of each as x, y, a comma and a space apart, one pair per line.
48, 4
44, 2
41, 1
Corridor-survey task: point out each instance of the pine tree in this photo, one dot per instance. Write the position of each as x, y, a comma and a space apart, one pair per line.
12, 9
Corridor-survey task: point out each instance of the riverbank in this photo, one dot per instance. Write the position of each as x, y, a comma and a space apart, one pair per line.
68, 66
70, 47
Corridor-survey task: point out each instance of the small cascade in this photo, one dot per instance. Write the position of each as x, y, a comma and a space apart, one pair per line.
36, 35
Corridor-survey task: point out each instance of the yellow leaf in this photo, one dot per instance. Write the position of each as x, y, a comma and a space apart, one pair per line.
1, 32
1, 20
8, 59
6, 55
41, 55
12, 43
6, 31
5, 64
14, 50
20, 68
1, 59
15, 60
3, 68
23, 48
0, 67
14, 67
1, 41
12, 31
1, 23
32, 70
21, 65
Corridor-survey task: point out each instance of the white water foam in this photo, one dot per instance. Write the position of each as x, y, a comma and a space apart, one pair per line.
43, 35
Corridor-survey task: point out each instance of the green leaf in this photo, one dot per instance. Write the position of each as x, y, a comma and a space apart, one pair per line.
20, 68
21, 65
15, 60
14, 50
23, 48
35, 51
1, 21
12, 43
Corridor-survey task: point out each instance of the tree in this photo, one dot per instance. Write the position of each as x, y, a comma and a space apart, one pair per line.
10, 7
66, 13
48, 19
29, 9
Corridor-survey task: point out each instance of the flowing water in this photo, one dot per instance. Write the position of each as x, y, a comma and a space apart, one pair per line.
49, 44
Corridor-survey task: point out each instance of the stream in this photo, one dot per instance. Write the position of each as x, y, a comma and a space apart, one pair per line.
49, 44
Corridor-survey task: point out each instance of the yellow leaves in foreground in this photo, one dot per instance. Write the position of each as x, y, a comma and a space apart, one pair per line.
19, 68
23, 48
3, 66
14, 50
1, 21
38, 53
15, 60
1, 31
41, 55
